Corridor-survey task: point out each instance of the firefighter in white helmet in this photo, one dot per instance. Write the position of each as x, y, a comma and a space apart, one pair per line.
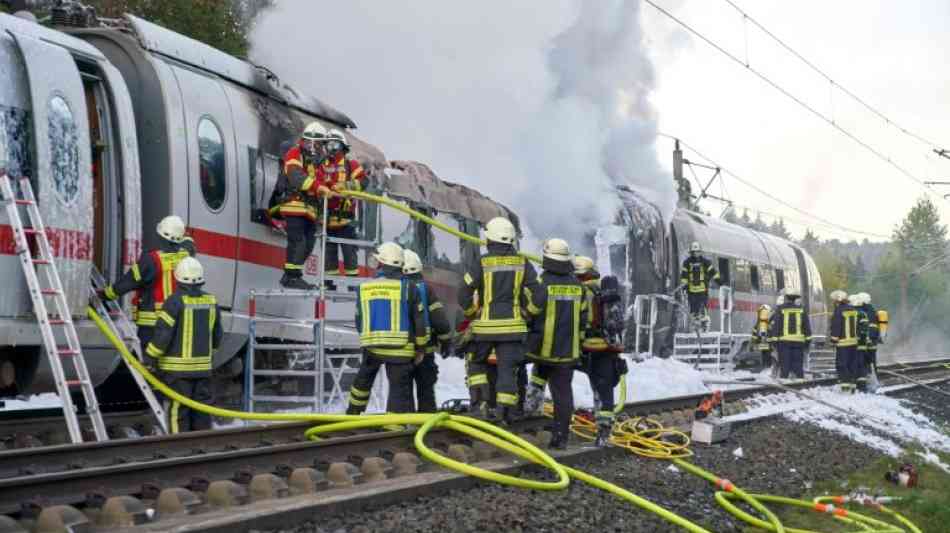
152, 276
843, 335
340, 172
790, 333
696, 276
494, 292
439, 326
398, 343
187, 332
297, 201
558, 308
869, 336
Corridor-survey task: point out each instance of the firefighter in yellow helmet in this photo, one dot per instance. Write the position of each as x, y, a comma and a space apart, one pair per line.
559, 309
696, 275
494, 292
760, 336
152, 277
790, 331
187, 332
391, 322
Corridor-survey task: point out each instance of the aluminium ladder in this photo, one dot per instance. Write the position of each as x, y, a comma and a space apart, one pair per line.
37, 270
331, 362
118, 322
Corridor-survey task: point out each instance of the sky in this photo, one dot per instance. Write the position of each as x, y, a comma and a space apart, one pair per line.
546, 105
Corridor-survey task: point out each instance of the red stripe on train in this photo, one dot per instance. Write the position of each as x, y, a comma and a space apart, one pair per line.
66, 243
737, 305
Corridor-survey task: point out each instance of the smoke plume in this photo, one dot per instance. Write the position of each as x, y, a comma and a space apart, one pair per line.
542, 106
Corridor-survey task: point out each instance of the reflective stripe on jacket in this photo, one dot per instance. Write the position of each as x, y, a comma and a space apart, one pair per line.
843, 330
153, 280
187, 331
560, 311
789, 324
697, 273
349, 174
390, 318
495, 292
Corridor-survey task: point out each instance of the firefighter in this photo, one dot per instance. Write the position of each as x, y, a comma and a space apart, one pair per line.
297, 204
843, 333
696, 275
760, 336
391, 322
869, 336
186, 334
493, 294
790, 331
153, 276
600, 359
559, 310
340, 173
426, 373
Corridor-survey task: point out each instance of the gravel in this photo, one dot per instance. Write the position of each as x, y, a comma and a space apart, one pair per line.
777, 457
929, 403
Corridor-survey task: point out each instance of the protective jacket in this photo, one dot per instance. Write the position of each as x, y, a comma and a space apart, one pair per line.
438, 325
187, 332
296, 189
559, 311
495, 292
760, 335
390, 318
152, 278
869, 332
789, 324
697, 273
343, 173
843, 329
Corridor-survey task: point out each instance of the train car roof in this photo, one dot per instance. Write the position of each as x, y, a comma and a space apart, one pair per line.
732, 240
37, 31
416, 182
159, 40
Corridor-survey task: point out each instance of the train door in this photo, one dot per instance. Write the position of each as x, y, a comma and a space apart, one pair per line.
803, 274
61, 176
212, 180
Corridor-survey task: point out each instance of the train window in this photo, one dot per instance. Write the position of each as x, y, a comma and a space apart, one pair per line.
400, 228
741, 281
724, 277
446, 249
211, 164
754, 277
64, 150
779, 279
766, 279
16, 141
264, 169
470, 251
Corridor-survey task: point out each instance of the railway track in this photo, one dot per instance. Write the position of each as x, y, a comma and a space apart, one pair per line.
134, 481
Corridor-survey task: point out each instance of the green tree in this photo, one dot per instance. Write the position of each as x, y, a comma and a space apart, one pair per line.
223, 24
778, 229
810, 241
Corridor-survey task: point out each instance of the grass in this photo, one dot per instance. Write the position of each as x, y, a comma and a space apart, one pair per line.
927, 505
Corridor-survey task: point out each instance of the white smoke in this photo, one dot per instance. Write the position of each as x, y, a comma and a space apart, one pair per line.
542, 106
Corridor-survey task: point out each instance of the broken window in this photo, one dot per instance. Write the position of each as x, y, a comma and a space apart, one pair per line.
64, 150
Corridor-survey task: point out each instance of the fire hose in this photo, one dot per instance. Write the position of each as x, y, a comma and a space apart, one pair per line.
641, 436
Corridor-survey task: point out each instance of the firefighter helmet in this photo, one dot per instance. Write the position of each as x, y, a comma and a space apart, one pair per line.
390, 254
557, 250
780, 300
865, 298
172, 228
838, 296
583, 265
500, 229
336, 142
854, 299
791, 292
695, 248
312, 138
411, 263
190, 272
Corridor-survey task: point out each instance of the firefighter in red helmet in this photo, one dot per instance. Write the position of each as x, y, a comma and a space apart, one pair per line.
296, 201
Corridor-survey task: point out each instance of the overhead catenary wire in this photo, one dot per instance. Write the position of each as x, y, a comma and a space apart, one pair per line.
772, 197
861, 142
748, 18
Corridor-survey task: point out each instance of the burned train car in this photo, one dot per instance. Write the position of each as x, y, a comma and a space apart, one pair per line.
121, 126
646, 252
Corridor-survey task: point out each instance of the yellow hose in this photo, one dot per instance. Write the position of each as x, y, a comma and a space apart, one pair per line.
477, 429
